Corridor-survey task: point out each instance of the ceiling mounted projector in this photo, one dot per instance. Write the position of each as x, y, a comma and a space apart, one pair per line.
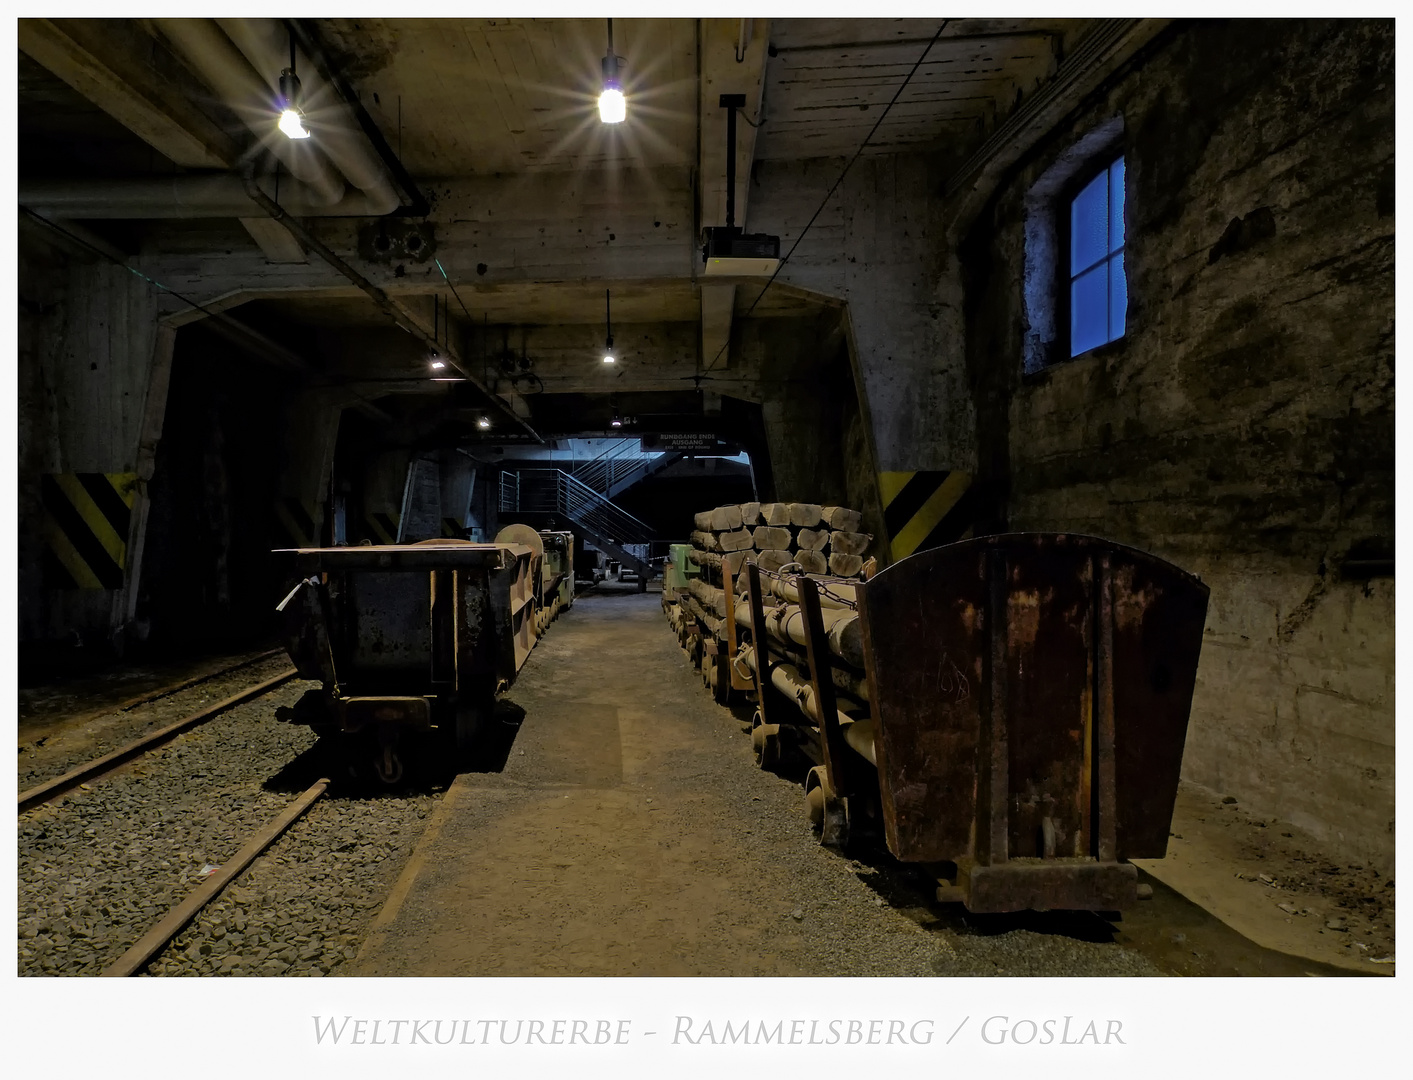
729, 251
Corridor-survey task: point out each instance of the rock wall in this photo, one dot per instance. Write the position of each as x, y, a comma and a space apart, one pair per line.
1243, 426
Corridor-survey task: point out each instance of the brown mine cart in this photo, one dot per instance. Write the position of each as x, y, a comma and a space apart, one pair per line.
1027, 698
558, 586
407, 637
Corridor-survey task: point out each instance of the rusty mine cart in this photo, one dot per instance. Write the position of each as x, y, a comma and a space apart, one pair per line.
411, 638
1009, 711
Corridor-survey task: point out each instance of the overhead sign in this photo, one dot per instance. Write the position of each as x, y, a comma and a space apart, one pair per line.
689, 442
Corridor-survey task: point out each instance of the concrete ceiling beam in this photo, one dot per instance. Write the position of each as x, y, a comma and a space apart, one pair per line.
105, 64
733, 61
722, 73
277, 242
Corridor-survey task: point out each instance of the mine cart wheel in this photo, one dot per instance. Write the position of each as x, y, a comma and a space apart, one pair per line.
388, 764
834, 830
828, 813
765, 740
721, 681
814, 807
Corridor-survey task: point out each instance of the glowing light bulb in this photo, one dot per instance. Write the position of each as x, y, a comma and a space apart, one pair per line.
612, 107
484, 423
437, 365
292, 124
608, 357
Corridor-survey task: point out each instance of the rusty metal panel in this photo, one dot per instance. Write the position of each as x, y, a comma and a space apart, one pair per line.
1048, 640
1042, 884
386, 627
436, 616
401, 711
1159, 615
924, 625
1032, 693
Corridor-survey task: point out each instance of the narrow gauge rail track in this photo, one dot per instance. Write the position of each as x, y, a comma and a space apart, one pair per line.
52, 789
100, 881
196, 680
151, 943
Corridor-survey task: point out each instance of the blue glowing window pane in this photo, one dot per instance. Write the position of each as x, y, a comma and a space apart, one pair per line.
1116, 205
1089, 310
1089, 224
1118, 296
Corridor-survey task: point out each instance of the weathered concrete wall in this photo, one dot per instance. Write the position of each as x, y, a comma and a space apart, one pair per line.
86, 342
1243, 427
876, 246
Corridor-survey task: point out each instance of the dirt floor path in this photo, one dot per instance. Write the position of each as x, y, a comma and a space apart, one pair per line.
630, 833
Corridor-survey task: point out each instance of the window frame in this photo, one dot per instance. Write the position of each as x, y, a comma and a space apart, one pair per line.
1064, 231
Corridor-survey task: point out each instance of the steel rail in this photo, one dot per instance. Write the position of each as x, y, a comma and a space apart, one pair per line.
187, 684
52, 789
156, 939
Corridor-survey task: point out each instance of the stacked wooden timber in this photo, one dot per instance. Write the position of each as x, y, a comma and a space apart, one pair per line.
817, 539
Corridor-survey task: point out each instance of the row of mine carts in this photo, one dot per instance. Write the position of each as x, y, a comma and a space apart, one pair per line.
1009, 712
412, 642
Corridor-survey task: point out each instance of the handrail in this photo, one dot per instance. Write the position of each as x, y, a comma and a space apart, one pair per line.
555, 491
616, 462
619, 446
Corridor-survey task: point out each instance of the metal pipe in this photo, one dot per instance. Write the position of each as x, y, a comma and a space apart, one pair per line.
218, 195
334, 125
859, 735
202, 44
416, 204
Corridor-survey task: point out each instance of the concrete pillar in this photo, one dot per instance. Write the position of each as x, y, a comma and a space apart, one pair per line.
88, 340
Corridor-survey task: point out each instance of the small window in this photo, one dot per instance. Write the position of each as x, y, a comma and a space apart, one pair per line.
1098, 289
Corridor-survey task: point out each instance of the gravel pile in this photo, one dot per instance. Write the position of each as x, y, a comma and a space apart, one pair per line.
97, 870
55, 754
303, 908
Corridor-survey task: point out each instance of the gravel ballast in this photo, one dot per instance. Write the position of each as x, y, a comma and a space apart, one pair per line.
97, 869
58, 751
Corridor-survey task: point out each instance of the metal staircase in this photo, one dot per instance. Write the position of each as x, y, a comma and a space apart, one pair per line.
621, 466
605, 525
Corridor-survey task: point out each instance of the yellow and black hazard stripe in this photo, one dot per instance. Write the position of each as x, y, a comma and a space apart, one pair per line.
927, 509
452, 528
297, 523
382, 526
85, 522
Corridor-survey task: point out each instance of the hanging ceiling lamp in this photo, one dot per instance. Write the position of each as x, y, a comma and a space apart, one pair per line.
291, 115
435, 358
612, 107
608, 356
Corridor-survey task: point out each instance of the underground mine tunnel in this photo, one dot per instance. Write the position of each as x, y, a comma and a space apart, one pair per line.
705, 496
